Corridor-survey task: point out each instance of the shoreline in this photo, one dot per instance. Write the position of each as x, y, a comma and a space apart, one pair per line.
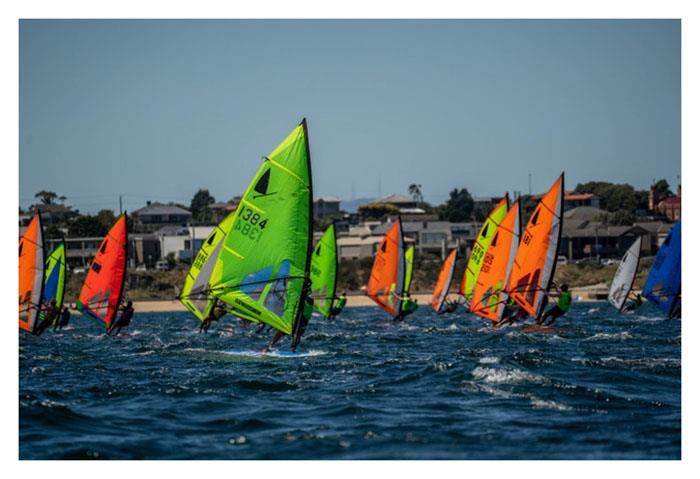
585, 294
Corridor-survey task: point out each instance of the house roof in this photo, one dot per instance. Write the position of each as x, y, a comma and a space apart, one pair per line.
327, 199
673, 200
583, 213
394, 199
52, 208
161, 209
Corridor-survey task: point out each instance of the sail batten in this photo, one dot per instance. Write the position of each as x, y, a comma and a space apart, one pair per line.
535, 260
264, 261
388, 276
195, 294
442, 286
54, 284
483, 239
323, 272
104, 284
490, 292
31, 274
624, 276
663, 285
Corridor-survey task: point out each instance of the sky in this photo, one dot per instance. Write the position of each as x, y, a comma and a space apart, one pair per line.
155, 110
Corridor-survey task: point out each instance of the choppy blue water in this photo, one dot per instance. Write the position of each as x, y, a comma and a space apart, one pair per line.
605, 387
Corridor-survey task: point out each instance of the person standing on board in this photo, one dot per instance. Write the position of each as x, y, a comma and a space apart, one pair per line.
449, 307
559, 309
216, 313
304, 318
635, 304
407, 306
63, 320
512, 313
50, 314
124, 320
338, 308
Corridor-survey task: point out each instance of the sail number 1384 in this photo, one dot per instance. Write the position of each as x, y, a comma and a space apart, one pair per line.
250, 224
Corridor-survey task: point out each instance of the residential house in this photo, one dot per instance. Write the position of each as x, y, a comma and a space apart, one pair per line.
161, 214
325, 206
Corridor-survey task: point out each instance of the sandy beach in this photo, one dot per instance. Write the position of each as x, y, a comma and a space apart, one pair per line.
586, 293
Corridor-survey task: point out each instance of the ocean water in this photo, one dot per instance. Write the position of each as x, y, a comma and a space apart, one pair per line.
603, 386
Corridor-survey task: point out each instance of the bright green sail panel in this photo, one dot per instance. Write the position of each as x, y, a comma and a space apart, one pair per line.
323, 272
195, 292
55, 276
483, 240
409, 269
264, 259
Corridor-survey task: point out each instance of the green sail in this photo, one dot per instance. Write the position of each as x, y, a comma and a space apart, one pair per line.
409, 269
264, 260
323, 272
55, 275
195, 292
483, 240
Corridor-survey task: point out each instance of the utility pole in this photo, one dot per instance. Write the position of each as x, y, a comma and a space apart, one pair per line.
529, 184
120, 205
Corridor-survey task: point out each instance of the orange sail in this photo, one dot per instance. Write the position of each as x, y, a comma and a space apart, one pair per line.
442, 287
386, 281
533, 267
489, 293
104, 283
31, 274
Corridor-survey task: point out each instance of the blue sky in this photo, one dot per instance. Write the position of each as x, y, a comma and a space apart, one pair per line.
158, 109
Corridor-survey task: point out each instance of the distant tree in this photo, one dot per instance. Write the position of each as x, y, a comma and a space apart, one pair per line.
53, 231
618, 218
199, 206
613, 196
415, 191
662, 190
87, 226
377, 210
48, 197
459, 207
106, 218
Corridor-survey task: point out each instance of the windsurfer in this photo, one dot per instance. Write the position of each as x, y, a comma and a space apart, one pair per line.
449, 307
338, 307
635, 304
50, 314
124, 320
559, 309
408, 306
63, 320
216, 313
512, 313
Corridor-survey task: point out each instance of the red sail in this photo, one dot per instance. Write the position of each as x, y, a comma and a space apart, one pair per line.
386, 280
102, 290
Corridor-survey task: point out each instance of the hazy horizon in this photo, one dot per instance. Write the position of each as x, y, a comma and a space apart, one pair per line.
155, 110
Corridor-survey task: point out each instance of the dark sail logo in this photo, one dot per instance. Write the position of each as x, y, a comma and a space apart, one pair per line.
535, 217
263, 184
485, 230
495, 239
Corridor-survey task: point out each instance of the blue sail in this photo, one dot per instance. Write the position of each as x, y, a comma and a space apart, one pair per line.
663, 286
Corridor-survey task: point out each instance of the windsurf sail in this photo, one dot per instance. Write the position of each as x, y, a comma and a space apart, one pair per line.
410, 253
104, 284
324, 270
535, 260
483, 239
195, 292
31, 274
386, 281
624, 276
663, 286
55, 282
263, 264
489, 299
442, 287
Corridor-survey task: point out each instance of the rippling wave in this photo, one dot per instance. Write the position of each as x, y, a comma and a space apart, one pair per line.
603, 386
